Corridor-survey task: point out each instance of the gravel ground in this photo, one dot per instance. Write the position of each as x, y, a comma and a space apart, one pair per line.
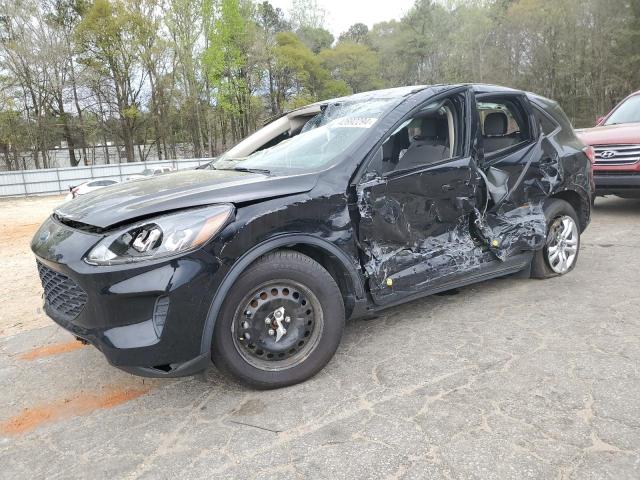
21, 292
507, 379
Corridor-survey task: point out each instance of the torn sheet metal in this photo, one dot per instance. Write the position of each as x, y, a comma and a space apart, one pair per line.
513, 220
510, 230
414, 233
424, 261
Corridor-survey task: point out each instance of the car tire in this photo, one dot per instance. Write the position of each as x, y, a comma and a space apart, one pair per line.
559, 214
283, 286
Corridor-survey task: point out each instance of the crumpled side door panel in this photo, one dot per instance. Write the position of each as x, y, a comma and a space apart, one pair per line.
417, 231
513, 220
414, 229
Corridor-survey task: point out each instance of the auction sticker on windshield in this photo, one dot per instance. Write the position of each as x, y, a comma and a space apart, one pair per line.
355, 122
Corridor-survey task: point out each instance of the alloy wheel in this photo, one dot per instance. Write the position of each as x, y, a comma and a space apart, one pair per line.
562, 244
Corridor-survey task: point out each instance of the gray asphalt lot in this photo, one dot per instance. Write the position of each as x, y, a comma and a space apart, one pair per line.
507, 379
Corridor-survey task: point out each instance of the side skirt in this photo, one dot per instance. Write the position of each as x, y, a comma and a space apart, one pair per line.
516, 264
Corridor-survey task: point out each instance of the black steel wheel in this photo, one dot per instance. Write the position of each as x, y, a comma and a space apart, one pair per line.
276, 326
281, 322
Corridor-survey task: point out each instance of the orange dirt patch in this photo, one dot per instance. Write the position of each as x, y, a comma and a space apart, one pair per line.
78, 405
19, 233
21, 293
52, 349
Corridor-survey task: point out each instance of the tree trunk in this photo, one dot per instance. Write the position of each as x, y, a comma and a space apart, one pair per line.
67, 133
70, 145
272, 91
196, 124
127, 137
74, 88
5, 154
156, 114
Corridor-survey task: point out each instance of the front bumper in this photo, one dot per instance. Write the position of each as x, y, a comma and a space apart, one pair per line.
617, 182
146, 319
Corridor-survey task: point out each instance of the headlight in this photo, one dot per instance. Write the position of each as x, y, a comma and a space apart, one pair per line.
161, 236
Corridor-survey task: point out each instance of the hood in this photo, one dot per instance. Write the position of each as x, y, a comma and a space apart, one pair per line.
120, 203
611, 134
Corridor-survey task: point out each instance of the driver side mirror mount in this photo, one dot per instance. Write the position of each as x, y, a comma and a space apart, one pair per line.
375, 169
369, 176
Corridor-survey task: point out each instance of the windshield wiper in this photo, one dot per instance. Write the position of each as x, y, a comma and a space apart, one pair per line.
264, 171
206, 166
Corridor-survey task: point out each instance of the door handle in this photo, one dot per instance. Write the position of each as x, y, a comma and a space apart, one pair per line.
447, 188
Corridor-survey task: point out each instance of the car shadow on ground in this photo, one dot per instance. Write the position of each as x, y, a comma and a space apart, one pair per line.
55, 378
489, 379
611, 205
79, 380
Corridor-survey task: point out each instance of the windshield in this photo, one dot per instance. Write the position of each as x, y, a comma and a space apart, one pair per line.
627, 112
320, 141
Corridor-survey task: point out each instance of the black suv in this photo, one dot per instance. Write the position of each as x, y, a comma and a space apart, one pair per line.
333, 211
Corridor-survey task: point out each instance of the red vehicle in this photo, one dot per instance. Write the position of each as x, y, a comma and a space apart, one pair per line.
616, 141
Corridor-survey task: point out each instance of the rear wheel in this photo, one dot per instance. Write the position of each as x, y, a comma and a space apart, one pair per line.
560, 253
281, 323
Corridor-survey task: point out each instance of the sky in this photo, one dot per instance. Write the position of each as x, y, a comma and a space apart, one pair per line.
341, 14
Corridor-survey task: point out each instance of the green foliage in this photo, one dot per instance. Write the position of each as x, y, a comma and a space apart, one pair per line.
301, 74
357, 65
227, 58
270, 20
109, 38
357, 33
131, 112
226, 54
307, 14
13, 130
194, 76
316, 39
104, 30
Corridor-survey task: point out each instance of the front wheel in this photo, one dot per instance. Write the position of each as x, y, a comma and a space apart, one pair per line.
560, 253
281, 323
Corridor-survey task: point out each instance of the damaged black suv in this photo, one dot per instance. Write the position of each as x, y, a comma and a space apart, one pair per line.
333, 211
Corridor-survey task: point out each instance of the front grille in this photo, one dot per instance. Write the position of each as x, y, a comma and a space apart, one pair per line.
616, 173
609, 155
61, 294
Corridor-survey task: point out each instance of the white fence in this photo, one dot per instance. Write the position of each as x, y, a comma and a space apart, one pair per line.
51, 181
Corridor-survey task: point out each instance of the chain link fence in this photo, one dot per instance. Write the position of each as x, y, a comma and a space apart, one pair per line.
52, 181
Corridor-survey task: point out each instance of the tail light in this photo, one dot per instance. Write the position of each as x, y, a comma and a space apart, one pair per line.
590, 153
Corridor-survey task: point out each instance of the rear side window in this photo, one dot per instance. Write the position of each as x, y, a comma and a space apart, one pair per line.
548, 126
504, 122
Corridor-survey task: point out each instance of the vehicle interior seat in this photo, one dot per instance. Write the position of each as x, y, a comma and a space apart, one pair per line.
392, 148
429, 144
495, 136
434, 131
